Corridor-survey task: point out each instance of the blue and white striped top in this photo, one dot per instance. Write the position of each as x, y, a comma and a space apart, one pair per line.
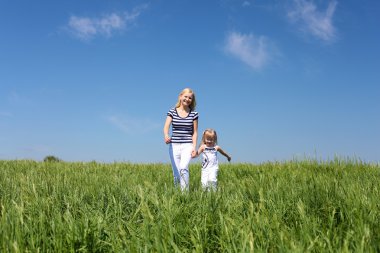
182, 128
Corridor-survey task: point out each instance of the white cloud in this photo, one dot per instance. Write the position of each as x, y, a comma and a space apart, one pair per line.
313, 21
248, 48
132, 125
86, 28
246, 4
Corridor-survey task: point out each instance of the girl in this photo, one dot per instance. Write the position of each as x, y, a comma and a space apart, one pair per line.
209, 151
183, 142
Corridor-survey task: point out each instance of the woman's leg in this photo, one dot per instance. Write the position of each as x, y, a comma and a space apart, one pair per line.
175, 158
183, 166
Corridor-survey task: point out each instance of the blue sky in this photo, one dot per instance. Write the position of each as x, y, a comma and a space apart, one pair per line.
93, 80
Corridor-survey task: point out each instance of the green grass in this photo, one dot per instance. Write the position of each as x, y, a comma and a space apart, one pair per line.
294, 206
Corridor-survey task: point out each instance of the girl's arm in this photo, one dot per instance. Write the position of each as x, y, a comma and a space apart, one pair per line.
195, 138
200, 149
166, 129
223, 153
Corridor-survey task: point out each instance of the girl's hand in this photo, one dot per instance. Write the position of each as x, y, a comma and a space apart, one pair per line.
194, 154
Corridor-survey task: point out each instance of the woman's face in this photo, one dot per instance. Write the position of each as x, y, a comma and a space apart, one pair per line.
186, 99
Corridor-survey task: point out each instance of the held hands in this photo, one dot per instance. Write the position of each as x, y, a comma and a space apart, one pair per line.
194, 153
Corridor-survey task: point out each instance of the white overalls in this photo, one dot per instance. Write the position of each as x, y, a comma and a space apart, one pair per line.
210, 168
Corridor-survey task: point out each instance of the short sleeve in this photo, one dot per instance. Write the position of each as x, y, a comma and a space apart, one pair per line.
195, 115
170, 113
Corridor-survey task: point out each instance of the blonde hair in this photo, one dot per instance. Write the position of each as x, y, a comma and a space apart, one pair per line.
209, 132
193, 101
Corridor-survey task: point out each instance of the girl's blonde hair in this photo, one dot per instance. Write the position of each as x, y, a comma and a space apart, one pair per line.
209, 132
193, 102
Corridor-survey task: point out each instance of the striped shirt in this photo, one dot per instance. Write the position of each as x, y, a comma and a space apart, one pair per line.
182, 128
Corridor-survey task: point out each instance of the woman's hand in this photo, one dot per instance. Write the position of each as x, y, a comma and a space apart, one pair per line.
166, 129
194, 153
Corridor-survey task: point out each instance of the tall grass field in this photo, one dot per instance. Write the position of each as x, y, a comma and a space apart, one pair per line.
290, 206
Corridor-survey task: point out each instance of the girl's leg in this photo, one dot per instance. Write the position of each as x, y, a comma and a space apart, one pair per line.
204, 177
213, 177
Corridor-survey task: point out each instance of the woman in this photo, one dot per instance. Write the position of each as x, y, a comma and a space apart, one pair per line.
183, 142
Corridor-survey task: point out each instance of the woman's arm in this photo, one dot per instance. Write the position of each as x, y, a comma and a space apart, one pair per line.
195, 138
166, 129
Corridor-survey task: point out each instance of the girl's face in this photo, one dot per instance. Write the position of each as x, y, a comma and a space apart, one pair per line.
209, 140
186, 99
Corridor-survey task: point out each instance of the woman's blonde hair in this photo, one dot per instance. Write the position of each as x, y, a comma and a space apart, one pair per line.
209, 132
193, 101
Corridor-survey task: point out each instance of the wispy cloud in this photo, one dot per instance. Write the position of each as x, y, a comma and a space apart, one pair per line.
5, 114
87, 28
40, 149
15, 97
248, 48
246, 4
313, 21
19, 99
132, 125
